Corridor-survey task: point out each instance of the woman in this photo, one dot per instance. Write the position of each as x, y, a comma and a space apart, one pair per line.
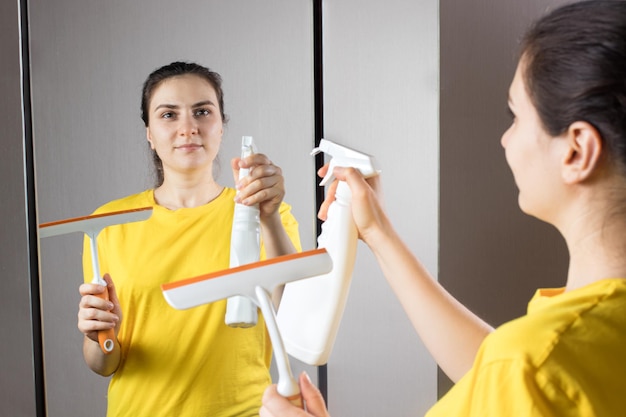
165, 361
566, 148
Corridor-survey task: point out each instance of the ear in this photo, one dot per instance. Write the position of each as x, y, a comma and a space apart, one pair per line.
583, 152
149, 137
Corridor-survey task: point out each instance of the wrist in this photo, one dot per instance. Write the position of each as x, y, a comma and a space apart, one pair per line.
271, 222
379, 236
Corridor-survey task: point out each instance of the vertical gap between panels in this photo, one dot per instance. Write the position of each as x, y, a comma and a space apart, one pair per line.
318, 78
31, 215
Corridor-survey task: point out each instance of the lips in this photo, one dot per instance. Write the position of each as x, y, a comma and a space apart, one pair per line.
188, 146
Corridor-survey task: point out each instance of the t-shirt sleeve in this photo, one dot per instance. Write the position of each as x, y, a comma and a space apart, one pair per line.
505, 388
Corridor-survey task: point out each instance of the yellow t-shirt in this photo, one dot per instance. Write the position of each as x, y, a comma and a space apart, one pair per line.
180, 363
566, 357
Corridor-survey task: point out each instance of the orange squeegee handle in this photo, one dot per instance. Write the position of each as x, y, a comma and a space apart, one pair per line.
106, 338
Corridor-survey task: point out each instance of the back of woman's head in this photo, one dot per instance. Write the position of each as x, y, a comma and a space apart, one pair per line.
176, 69
575, 70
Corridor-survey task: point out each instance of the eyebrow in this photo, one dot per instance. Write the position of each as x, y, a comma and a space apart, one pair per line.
175, 106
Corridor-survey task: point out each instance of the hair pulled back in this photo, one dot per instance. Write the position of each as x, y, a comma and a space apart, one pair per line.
575, 70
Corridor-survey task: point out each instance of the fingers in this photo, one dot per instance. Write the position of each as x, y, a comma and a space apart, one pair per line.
91, 298
359, 186
93, 319
366, 201
113, 295
274, 405
322, 214
91, 289
312, 397
95, 313
351, 175
264, 185
255, 162
323, 170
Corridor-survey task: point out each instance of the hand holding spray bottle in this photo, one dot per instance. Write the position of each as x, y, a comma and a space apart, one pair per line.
244, 249
310, 310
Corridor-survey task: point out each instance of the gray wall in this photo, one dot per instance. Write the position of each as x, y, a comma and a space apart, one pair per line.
17, 384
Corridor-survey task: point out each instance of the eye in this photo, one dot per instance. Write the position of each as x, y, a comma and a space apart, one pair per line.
167, 115
201, 112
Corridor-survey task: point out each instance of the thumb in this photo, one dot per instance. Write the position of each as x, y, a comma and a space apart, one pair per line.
113, 295
312, 397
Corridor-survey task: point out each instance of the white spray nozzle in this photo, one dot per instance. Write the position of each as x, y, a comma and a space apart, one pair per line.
247, 149
342, 156
247, 145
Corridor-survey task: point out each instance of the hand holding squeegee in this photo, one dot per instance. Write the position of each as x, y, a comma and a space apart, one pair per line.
91, 226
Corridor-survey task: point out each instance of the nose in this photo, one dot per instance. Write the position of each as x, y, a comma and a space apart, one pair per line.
188, 126
505, 138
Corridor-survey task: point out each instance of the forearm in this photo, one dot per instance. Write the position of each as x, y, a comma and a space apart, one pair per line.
97, 361
275, 237
448, 329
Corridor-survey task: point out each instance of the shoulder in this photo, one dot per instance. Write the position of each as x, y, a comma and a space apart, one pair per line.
571, 344
563, 321
142, 199
564, 358
228, 193
528, 338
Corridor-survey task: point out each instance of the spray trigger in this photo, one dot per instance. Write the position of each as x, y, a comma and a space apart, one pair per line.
342, 156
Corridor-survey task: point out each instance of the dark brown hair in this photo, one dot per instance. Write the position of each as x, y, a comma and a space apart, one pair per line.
575, 70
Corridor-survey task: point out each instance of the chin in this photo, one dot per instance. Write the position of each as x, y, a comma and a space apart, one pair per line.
532, 213
523, 207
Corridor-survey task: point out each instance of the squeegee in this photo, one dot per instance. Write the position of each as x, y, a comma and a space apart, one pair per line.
91, 226
255, 281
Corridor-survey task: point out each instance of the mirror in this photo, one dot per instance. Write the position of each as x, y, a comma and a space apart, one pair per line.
382, 93
89, 60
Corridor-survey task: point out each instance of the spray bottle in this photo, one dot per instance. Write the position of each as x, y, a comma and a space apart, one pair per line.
244, 249
310, 310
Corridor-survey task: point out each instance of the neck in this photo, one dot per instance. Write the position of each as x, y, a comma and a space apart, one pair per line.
185, 192
596, 250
